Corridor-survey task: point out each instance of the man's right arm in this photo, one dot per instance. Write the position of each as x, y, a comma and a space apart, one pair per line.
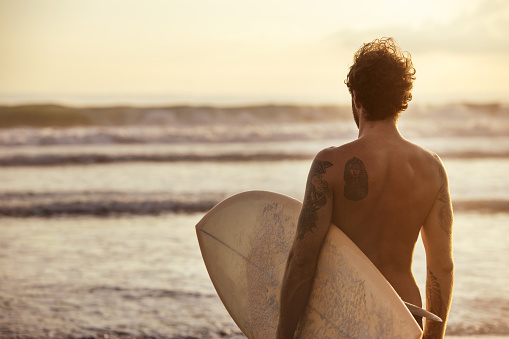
313, 224
437, 238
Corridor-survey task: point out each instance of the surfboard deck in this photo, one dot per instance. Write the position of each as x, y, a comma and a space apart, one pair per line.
245, 241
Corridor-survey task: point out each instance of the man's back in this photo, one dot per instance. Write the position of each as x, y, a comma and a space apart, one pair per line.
383, 191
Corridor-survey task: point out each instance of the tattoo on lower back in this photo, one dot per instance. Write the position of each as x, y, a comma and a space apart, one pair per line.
356, 180
434, 305
317, 192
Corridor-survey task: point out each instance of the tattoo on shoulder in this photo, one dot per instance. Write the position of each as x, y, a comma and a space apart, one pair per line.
356, 180
317, 192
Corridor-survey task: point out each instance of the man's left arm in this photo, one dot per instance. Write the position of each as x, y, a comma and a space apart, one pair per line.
313, 224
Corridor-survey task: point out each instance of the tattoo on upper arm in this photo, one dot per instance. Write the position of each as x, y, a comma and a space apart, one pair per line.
445, 218
317, 192
445, 214
433, 304
443, 193
356, 180
443, 196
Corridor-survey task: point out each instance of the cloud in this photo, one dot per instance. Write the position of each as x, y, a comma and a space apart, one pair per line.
479, 31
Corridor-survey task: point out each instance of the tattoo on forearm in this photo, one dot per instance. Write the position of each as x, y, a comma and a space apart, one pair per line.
434, 305
317, 192
356, 180
434, 295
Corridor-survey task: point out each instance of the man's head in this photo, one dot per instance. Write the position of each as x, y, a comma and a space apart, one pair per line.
381, 77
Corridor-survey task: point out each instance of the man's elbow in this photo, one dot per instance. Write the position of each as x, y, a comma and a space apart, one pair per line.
446, 266
449, 268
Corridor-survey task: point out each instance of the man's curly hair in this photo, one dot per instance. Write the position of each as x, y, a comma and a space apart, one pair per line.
381, 76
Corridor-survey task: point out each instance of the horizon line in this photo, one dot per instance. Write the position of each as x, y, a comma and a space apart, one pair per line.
165, 100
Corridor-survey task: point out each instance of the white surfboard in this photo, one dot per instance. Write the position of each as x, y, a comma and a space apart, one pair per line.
245, 241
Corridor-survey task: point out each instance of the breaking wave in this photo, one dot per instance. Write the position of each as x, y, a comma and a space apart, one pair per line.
59, 125
31, 204
103, 158
65, 116
98, 158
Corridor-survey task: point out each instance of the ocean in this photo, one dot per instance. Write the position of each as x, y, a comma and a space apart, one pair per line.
98, 208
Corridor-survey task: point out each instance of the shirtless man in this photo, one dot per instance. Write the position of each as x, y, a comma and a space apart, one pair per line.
381, 190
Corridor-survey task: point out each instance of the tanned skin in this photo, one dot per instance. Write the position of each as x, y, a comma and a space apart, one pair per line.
381, 191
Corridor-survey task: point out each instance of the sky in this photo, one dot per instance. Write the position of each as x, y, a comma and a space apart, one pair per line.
243, 51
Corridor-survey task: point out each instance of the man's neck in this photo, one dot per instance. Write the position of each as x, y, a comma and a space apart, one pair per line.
385, 129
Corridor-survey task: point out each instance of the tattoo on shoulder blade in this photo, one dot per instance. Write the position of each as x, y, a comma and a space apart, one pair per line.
317, 192
356, 180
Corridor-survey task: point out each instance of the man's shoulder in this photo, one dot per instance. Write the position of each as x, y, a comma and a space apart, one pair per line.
425, 162
425, 153
332, 154
409, 151
430, 165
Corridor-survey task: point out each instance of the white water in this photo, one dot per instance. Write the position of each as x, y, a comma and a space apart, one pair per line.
99, 239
